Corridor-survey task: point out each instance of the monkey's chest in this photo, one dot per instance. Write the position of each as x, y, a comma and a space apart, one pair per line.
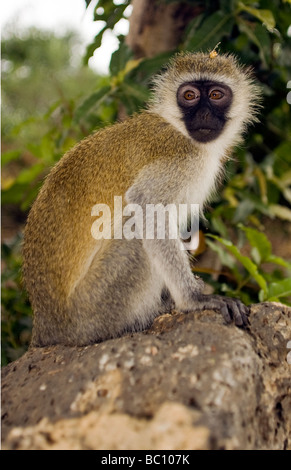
202, 181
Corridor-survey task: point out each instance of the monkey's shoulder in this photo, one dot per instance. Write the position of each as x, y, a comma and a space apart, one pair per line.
143, 133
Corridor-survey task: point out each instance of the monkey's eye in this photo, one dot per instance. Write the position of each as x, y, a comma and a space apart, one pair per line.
190, 95
216, 95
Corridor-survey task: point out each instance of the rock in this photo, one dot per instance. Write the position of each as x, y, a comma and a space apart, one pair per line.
189, 382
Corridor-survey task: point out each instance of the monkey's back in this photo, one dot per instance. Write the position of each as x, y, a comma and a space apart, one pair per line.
57, 242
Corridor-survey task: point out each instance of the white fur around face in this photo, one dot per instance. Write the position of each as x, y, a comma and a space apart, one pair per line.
241, 113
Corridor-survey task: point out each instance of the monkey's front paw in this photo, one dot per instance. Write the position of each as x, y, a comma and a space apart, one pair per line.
232, 310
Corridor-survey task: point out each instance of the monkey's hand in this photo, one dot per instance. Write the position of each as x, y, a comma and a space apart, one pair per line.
232, 310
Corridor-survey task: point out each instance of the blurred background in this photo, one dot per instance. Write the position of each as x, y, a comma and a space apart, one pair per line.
70, 67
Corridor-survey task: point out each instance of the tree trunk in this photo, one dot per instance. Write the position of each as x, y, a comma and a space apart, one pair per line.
157, 27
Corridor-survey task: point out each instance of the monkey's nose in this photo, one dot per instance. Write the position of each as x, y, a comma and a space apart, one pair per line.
205, 116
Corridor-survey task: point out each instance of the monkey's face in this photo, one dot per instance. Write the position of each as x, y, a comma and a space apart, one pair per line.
204, 105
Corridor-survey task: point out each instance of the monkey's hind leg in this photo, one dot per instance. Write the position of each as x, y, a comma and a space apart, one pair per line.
121, 292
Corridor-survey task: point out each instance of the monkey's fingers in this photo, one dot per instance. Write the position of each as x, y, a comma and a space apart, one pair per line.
232, 310
237, 311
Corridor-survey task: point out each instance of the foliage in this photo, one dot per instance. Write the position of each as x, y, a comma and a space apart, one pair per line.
38, 128
16, 311
253, 278
109, 13
46, 110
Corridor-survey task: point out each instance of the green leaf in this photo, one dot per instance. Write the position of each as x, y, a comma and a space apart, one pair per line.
262, 295
7, 157
243, 210
134, 90
218, 225
45, 150
14, 194
211, 31
259, 241
283, 151
227, 6
265, 16
93, 100
115, 15
280, 211
279, 289
28, 175
119, 59
30, 197
259, 36
225, 258
251, 198
21, 195
245, 261
278, 260
94, 45
153, 65
191, 30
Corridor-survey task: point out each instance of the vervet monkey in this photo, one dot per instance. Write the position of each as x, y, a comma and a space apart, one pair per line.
85, 290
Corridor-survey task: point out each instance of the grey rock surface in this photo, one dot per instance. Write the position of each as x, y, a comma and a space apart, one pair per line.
189, 382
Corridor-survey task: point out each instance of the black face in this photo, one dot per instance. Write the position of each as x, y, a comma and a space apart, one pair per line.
204, 105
